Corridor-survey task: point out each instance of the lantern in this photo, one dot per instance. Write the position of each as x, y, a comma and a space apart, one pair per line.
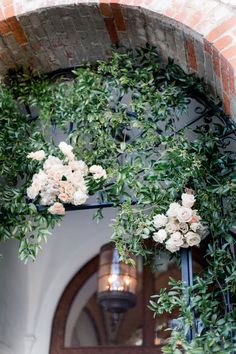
117, 281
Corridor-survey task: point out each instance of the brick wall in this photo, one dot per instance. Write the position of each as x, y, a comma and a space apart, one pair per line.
51, 34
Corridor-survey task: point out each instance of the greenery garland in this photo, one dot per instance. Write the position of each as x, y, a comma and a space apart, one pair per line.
153, 169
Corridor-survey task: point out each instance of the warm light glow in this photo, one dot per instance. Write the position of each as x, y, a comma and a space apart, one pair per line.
114, 283
127, 281
158, 341
112, 278
118, 282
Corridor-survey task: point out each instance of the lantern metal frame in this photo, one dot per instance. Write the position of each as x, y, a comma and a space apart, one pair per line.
115, 301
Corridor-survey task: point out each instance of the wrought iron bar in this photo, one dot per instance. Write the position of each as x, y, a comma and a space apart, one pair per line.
71, 207
187, 279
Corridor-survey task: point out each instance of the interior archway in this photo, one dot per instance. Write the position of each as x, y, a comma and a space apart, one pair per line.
71, 304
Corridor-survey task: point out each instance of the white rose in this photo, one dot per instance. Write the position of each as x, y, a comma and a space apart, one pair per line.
79, 198
184, 214
160, 236
41, 177
57, 209
177, 239
66, 198
200, 229
172, 247
32, 192
49, 192
195, 226
98, 172
160, 220
79, 166
56, 172
188, 200
78, 181
47, 199
51, 162
171, 226
65, 148
173, 209
66, 187
192, 238
37, 155
175, 242
70, 156
36, 185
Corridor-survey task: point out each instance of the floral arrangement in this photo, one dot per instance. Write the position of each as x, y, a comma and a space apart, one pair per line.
181, 226
62, 180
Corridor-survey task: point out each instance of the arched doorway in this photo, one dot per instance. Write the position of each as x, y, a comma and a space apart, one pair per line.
138, 331
65, 348
19, 26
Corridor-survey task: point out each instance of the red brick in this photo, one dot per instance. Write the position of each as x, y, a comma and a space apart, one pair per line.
223, 42
13, 24
191, 54
111, 29
106, 10
230, 52
216, 62
221, 29
207, 47
224, 74
232, 80
20, 37
4, 27
17, 30
118, 17
227, 104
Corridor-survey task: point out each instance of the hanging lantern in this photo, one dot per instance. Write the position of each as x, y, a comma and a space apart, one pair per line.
117, 281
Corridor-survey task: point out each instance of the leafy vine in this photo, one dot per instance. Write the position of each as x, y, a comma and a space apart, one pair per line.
123, 115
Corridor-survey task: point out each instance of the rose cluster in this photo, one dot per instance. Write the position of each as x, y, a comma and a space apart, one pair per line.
62, 180
180, 227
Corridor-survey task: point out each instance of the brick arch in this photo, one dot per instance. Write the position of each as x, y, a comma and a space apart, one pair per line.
52, 34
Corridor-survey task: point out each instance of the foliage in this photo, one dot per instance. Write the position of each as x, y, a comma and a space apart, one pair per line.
123, 115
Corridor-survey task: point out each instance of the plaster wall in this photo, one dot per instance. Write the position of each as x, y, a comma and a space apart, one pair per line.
30, 293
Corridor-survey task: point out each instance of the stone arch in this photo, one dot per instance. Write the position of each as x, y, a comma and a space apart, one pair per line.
52, 34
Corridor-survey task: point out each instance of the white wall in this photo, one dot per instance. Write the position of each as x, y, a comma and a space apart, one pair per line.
29, 293
13, 300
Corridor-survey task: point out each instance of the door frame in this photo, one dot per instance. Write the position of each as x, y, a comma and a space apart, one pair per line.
66, 300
